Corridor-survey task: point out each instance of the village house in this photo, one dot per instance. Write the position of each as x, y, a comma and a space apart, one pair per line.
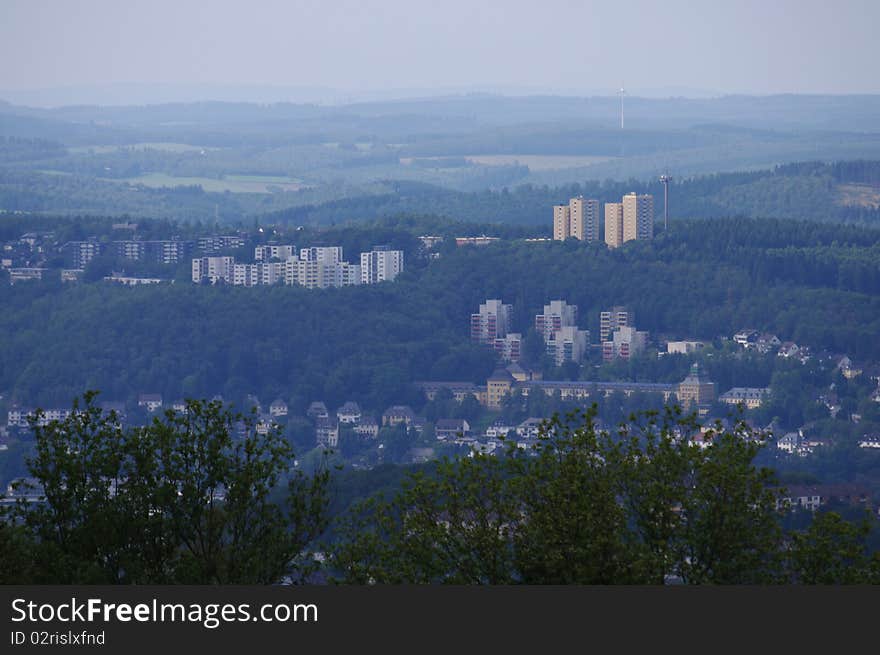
450, 428
350, 412
152, 401
278, 408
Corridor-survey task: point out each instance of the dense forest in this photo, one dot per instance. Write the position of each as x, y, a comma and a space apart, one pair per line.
818, 285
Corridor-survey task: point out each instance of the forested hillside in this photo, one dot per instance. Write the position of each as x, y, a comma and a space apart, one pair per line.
816, 284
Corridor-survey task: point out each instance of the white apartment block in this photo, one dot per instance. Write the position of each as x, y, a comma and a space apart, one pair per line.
323, 254
346, 274
612, 319
509, 348
380, 265
492, 322
568, 344
213, 269
557, 314
266, 253
625, 342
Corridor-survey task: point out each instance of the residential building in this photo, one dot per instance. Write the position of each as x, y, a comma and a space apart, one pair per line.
346, 275
133, 281
278, 408
316, 410
350, 412
584, 219
613, 224
614, 318
429, 242
475, 241
368, 427
23, 274
530, 428
683, 347
152, 401
216, 244
568, 344
509, 348
80, 253
491, 323
638, 216
381, 264
323, 254
270, 252
327, 432
751, 397
450, 428
397, 414
561, 222
459, 390
557, 314
625, 342
213, 269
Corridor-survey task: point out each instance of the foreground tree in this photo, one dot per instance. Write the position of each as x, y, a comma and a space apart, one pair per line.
583, 506
194, 497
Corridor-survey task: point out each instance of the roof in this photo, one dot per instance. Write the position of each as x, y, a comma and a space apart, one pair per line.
150, 397
399, 410
450, 424
657, 387
349, 407
326, 424
501, 374
278, 403
696, 375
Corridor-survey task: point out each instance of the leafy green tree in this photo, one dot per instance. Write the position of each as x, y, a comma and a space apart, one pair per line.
189, 498
833, 551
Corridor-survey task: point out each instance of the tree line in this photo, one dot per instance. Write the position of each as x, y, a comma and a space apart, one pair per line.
201, 497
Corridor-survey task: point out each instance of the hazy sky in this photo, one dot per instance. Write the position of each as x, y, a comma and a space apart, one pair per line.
750, 46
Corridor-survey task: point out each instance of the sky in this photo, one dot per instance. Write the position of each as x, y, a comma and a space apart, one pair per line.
382, 48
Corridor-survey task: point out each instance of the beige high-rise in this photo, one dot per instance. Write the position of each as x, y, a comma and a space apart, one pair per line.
584, 217
614, 224
561, 222
638, 217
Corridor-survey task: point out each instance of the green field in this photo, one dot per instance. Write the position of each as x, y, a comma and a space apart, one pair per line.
233, 183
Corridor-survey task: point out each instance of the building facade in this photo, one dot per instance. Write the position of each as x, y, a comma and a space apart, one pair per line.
491, 322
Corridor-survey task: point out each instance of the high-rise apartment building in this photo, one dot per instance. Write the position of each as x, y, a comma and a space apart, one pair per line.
624, 343
584, 218
568, 344
638, 216
380, 264
579, 219
491, 323
614, 224
557, 314
213, 269
614, 318
265, 253
509, 348
561, 222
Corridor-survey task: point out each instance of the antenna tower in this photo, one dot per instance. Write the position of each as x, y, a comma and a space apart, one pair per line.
664, 180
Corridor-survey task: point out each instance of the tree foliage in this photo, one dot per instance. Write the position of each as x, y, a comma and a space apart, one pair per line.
190, 498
